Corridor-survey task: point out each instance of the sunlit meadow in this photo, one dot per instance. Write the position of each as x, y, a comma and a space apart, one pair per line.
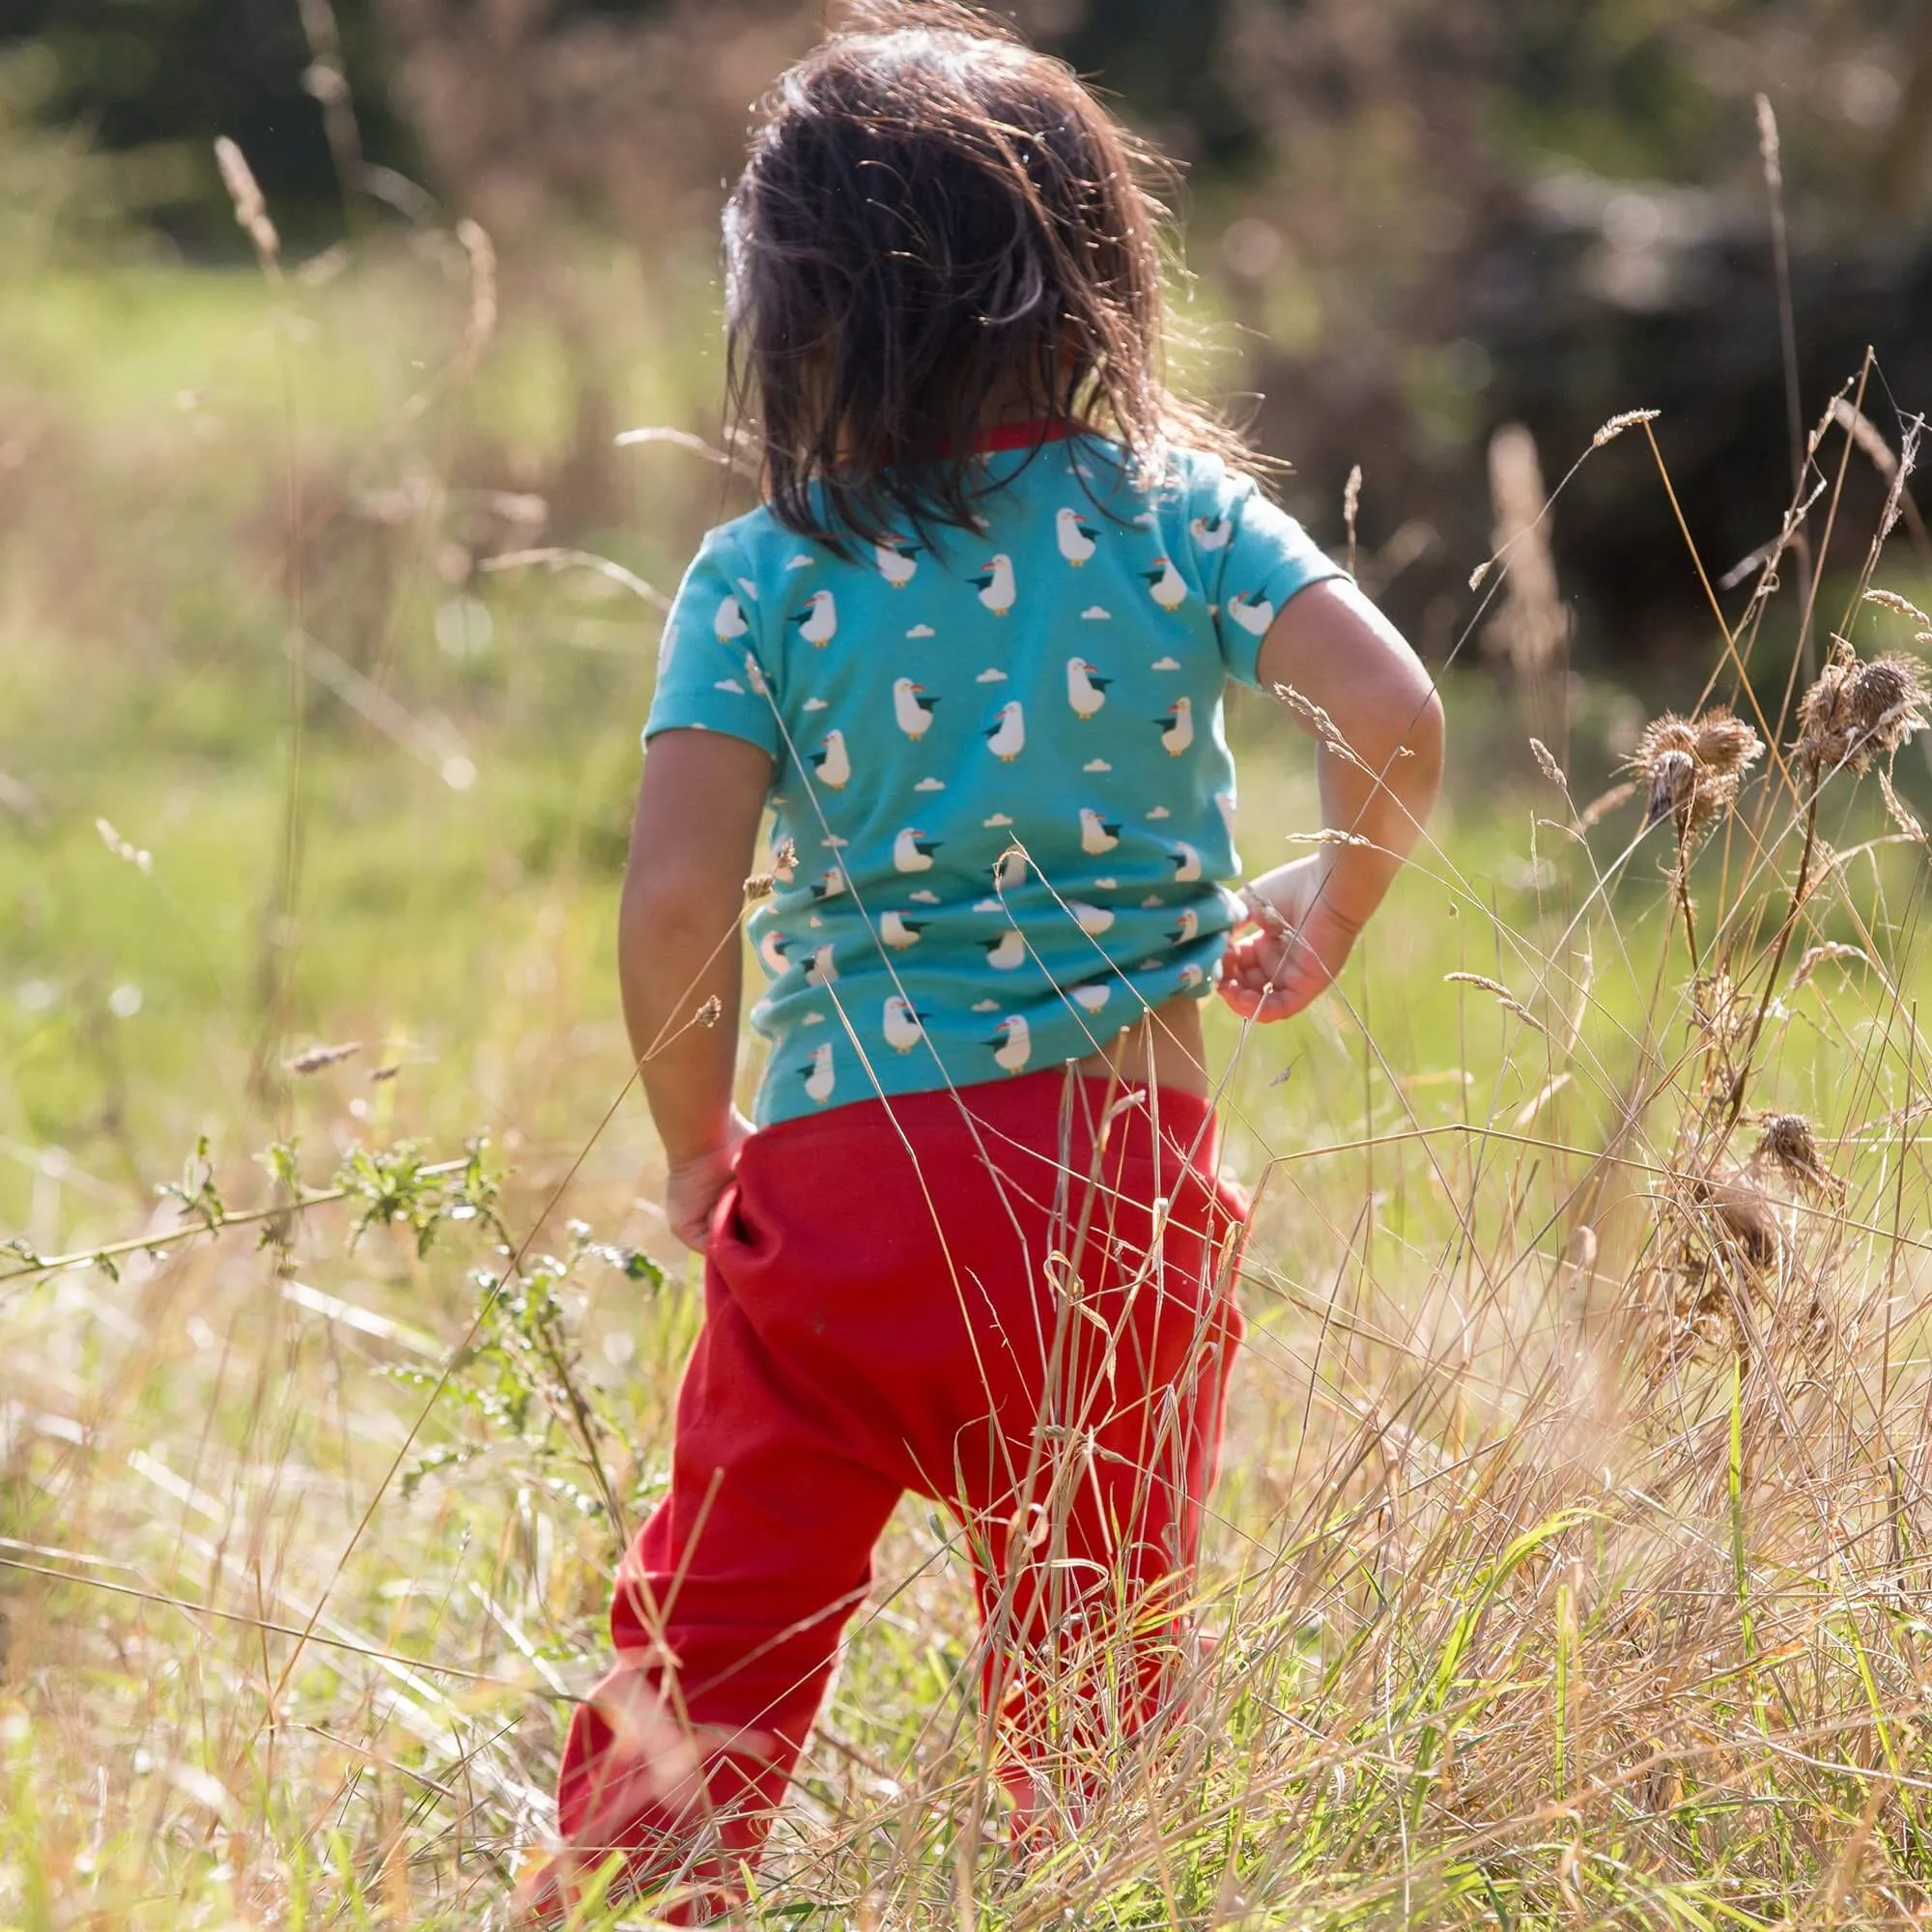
1567, 1564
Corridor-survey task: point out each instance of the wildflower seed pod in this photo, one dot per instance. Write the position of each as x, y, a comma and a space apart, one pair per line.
1858, 712
1692, 769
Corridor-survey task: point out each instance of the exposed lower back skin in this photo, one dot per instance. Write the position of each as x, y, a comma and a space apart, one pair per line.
1165, 1050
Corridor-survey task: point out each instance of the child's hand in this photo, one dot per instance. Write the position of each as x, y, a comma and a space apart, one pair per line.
693, 1186
1291, 946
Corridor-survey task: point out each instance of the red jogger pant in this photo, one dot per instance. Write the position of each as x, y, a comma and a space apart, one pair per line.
1004, 1300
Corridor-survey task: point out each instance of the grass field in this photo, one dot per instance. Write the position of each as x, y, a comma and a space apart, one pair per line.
1569, 1565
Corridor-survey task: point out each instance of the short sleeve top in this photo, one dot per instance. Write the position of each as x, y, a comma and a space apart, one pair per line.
999, 759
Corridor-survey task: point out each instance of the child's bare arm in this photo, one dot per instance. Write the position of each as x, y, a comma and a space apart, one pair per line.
1337, 651
692, 845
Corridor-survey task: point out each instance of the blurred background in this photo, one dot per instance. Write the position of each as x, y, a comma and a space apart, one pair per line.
259, 480
1411, 224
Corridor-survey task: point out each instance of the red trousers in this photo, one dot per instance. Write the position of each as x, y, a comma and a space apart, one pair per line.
1009, 1299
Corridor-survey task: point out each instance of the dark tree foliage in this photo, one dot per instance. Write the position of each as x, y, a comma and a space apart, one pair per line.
151, 76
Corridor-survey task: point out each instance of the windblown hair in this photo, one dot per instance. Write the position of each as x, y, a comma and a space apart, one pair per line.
938, 227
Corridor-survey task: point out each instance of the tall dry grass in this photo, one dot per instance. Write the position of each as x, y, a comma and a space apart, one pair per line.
1568, 1566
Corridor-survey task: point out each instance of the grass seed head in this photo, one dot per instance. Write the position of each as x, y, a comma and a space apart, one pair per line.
251, 211
312, 1060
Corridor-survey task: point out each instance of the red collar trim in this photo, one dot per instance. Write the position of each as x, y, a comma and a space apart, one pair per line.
1022, 435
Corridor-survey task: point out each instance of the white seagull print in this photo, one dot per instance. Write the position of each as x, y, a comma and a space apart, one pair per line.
1013, 1046
818, 1077
911, 707
1186, 863
1010, 870
903, 1031
1091, 919
833, 763
1092, 996
1177, 728
1253, 614
819, 623
1076, 539
896, 563
772, 950
1211, 532
1085, 688
913, 850
821, 972
730, 623
829, 885
996, 585
1166, 585
1006, 739
1097, 835
899, 932
1189, 929
1006, 953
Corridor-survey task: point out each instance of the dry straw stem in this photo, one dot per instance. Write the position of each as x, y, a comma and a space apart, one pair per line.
1864, 433
1605, 803
251, 211
736, 459
481, 324
553, 558
1532, 628
130, 853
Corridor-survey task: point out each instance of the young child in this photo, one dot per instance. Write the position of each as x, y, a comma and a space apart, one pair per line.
970, 653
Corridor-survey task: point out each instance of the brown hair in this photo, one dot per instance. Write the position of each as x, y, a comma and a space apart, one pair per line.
938, 225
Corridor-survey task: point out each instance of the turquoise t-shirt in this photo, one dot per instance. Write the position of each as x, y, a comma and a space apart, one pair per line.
1000, 758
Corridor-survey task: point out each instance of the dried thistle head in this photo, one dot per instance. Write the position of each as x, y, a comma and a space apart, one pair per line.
1856, 712
1693, 767
1787, 1144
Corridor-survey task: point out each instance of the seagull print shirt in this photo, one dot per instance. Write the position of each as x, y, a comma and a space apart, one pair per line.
999, 759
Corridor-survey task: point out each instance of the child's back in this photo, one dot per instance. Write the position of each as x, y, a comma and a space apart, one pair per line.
970, 654
998, 757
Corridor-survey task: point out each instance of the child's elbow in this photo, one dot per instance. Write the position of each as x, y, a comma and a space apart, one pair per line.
666, 899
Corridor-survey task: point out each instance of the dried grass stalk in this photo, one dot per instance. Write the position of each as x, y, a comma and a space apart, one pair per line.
1532, 628
251, 211
1605, 803
1864, 432
481, 324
